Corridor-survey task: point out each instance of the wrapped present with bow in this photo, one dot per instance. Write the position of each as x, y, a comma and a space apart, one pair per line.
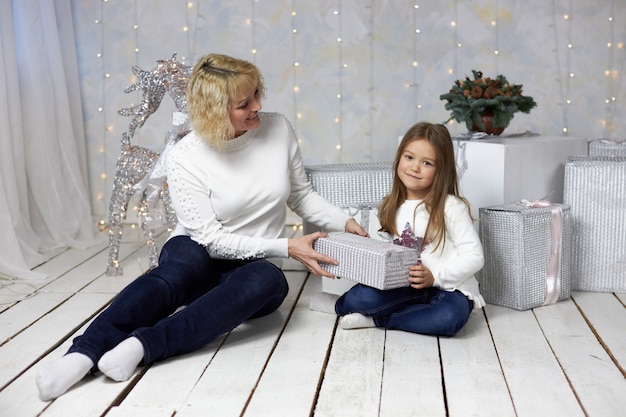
368, 261
527, 248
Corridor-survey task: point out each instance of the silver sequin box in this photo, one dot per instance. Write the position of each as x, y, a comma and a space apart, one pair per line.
517, 243
595, 187
372, 262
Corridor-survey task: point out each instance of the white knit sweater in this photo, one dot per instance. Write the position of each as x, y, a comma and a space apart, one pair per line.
454, 265
233, 201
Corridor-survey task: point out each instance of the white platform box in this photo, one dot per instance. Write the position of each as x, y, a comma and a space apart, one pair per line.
496, 171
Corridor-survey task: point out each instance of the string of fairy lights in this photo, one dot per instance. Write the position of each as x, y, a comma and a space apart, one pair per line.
415, 64
103, 194
562, 15
613, 72
563, 80
342, 65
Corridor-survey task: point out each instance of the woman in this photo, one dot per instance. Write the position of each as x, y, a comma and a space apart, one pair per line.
230, 180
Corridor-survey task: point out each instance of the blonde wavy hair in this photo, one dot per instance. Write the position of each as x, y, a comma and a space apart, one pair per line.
216, 82
445, 183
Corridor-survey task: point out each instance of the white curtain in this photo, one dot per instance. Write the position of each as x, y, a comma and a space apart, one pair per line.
44, 200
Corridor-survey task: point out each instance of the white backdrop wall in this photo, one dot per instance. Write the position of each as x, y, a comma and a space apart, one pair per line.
353, 75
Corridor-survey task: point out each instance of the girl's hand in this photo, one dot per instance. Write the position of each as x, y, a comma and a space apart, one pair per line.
420, 276
301, 249
353, 227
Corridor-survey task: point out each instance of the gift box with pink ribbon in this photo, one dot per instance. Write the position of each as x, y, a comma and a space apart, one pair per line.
527, 249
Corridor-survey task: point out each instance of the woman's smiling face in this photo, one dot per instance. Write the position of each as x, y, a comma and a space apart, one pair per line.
244, 112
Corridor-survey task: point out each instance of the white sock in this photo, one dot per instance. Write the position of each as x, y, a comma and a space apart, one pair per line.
120, 362
324, 302
54, 378
356, 321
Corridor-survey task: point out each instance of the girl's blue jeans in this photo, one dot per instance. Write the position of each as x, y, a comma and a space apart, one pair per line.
428, 311
218, 295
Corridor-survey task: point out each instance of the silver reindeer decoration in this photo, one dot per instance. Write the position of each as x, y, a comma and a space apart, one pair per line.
138, 168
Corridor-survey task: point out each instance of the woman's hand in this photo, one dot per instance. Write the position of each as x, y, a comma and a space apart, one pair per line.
353, 227
301, 249
420, 276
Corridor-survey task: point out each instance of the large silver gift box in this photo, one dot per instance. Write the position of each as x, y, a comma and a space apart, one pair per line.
527, 265
372, 262
595, 187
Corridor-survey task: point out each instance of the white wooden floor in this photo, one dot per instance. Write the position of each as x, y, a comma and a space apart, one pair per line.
567, 359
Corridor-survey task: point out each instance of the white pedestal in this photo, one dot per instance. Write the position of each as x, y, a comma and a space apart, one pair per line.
504, 170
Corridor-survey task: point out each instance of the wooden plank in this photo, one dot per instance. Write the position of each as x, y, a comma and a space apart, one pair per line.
598, 384
227, 384
57, 326
412, 384
69, 259
18, 356
26, 348
288, 386
474, 383
607, 317
353, 378
140, 412
23, 314
535, 379
26, 312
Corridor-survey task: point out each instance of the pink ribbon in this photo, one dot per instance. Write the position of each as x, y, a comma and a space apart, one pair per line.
554, 264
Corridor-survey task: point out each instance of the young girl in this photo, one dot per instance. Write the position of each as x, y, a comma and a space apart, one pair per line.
423, 207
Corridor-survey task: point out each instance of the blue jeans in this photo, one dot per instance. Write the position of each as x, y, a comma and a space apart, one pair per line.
428, 311
218, 295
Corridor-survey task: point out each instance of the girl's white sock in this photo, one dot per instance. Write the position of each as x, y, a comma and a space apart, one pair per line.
356, 321
120, 362
55, 378
324, 302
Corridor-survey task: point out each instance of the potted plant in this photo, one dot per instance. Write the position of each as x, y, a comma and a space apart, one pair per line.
486, 104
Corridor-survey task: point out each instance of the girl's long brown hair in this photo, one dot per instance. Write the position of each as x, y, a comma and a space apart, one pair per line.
445, 183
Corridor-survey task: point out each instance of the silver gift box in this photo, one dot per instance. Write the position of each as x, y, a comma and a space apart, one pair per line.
352, 185
517, 242
607, 147
595, 187
372, 262
358, 188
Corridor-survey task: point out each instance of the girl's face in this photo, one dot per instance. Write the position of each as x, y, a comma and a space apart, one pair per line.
417, 169
244, 112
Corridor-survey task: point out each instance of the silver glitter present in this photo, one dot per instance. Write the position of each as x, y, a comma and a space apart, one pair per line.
524, 266
352, 185
372, 262
607, 147
595, 187
357, 188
